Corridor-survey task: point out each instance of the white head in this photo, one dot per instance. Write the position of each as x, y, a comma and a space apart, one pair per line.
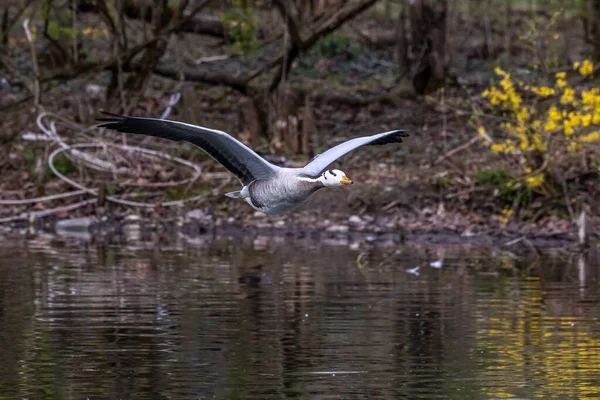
334, 178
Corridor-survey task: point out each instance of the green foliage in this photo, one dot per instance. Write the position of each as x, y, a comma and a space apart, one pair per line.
332, 46
508, 191
494, 177
55, 31
46, 6
443, 180
62, 165
29, 157
241, 26
59, 27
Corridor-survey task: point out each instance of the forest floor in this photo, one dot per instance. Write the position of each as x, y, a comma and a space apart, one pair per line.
424, 186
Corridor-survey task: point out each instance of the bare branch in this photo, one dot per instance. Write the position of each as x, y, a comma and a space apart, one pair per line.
36, 68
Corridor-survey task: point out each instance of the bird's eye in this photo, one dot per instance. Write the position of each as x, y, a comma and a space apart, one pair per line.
333, 173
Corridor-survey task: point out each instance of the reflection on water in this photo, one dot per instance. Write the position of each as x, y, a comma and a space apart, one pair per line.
266, 318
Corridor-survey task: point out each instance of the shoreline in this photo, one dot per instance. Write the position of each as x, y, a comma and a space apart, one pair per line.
132, 228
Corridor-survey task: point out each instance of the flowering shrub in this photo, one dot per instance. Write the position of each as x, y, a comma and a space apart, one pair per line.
541, 124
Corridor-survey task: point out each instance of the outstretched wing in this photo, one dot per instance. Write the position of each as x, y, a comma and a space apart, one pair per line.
319, 163
233, 154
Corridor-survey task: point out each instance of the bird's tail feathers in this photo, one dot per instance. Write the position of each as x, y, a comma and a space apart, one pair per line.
235, 195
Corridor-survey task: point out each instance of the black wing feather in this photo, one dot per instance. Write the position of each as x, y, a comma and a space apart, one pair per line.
395, 137
219, 145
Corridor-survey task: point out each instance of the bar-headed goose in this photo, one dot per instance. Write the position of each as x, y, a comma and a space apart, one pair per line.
266, 187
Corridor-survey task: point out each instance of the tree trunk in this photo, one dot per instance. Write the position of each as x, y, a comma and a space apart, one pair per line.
422, 43
594, 27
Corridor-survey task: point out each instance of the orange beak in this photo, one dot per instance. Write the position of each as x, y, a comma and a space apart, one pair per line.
345, 180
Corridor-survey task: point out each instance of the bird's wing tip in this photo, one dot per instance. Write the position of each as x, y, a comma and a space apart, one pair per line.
112, 117
401, 132
108, 113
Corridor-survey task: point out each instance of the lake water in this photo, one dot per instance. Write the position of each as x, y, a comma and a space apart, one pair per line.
271, 318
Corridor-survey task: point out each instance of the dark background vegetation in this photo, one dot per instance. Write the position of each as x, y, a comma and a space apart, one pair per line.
290, 78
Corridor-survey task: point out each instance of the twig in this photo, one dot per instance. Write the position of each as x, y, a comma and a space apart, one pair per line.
36, 69
45, 213
41, 199
208, 59
566, 198
172, 102
113, 198
455, 150
11, 23
75, 50
51, 132
6, 61
514, 241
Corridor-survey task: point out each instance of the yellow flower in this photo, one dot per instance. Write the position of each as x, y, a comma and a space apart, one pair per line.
588, 97
554, 114
535, 181
546, 91
500, 71
591, 137
538, 144
497, 148
568, 96
506, 214
561, 83
556, 36
587, 68
573, 147
550, 126
561, 75
568, 127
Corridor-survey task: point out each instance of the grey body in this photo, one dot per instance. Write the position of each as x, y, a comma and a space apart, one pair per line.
266, 187
281, 194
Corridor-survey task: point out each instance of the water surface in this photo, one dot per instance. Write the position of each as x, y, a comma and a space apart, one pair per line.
267, 318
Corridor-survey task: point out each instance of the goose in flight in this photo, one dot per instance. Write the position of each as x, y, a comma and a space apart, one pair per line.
266, 187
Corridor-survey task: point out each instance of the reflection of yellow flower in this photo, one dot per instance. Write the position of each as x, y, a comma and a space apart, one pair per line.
556, 36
